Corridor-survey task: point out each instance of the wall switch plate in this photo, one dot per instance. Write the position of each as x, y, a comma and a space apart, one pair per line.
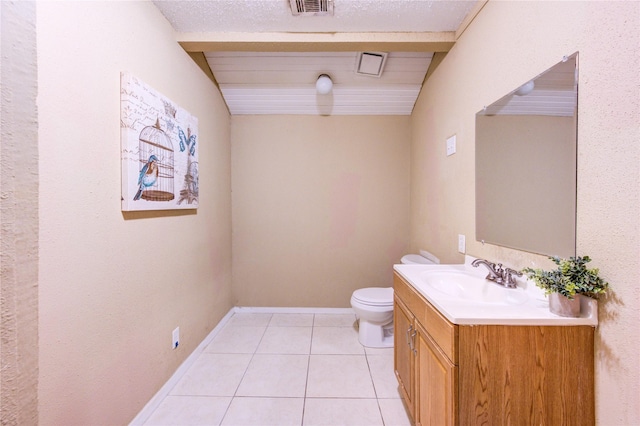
451, 145
462, 244
175, 338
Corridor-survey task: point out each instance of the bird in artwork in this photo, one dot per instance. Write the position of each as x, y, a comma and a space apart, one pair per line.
148, 176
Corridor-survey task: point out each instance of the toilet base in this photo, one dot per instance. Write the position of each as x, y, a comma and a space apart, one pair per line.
375, 335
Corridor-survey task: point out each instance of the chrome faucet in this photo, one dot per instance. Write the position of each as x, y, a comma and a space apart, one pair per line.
495, 271
498, 274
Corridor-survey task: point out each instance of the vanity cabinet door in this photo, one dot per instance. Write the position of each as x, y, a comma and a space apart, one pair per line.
436, 393
404, 359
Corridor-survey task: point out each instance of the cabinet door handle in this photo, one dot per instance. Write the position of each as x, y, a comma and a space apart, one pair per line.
413, 342
409, 336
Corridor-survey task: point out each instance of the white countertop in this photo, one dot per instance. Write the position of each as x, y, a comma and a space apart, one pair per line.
535, 311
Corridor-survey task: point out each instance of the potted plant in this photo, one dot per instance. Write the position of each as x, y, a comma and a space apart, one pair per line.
562, 285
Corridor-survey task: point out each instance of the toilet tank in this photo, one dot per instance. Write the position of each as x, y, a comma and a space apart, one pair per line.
424, 258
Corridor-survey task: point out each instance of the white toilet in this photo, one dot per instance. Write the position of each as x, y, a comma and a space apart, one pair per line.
424, 257
374, 308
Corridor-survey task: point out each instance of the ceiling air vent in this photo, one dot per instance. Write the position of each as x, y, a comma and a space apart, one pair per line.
370, 63
311, 7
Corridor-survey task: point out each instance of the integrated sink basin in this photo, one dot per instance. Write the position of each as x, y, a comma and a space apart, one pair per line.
463, 295
468, 287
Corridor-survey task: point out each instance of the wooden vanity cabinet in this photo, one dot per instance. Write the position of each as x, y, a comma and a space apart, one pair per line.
436, 403
404, 359
490, 374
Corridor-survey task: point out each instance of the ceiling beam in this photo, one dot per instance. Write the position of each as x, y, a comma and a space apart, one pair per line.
317, 42
470, 17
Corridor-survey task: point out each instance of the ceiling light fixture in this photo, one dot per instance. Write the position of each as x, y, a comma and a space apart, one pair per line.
324, 84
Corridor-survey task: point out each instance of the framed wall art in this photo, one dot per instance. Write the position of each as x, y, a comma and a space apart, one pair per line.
159, 150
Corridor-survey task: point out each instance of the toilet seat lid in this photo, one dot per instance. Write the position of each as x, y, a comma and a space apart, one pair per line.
374, 295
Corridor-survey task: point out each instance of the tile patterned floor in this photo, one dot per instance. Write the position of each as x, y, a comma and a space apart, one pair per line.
286, 369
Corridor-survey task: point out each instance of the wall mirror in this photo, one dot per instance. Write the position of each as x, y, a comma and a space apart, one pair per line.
526, 165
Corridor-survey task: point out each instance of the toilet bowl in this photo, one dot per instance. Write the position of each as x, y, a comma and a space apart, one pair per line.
374, 308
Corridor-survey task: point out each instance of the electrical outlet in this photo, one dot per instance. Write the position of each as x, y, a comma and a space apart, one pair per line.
451, 145
462, 244
175, 338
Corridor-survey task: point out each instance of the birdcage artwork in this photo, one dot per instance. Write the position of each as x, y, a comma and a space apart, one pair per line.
159, 150
156, 161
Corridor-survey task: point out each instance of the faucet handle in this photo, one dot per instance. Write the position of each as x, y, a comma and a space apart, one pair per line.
509, 277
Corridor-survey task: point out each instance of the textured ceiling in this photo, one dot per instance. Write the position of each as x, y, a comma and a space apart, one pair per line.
266, 80
349, 16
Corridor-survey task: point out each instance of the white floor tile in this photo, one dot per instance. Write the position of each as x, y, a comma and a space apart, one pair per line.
336, 340
384, 378
339, 376
272, 369
394, 412
250, 318
292, 320
213, 375
379, 351
286, 340
236, 340
275, 376
341, 412
334, 320
264, 412
189, 410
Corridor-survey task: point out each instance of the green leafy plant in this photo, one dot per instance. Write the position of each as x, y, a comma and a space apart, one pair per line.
570, 278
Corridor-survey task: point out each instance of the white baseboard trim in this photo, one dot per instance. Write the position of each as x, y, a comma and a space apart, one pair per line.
271, 310
155, 401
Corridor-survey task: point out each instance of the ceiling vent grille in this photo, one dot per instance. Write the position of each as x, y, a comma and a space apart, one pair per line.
311, 7
371, 63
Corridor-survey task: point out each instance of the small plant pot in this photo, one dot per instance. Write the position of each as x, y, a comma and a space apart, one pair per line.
563, 306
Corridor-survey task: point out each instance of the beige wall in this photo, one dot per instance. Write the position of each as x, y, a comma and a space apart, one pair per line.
113, 286
507, 44
320, 207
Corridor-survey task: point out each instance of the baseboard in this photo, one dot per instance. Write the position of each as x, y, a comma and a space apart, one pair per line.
272, 310
155, 401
